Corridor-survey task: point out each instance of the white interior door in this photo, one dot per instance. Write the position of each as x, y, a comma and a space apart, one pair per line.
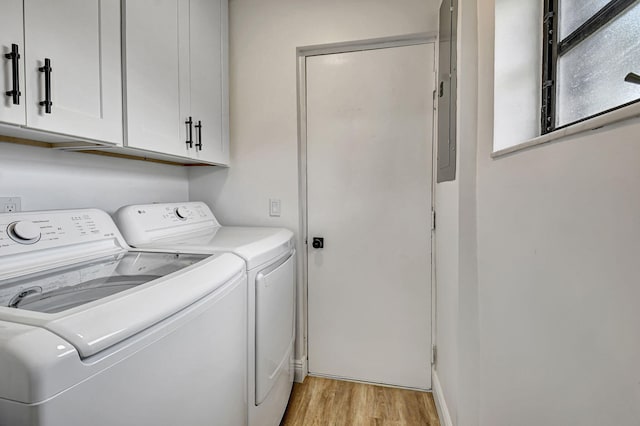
369, 177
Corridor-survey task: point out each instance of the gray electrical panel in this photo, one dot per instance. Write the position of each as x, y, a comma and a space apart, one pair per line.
446, 91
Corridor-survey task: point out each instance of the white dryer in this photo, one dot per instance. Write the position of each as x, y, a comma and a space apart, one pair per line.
270, 261
94, 333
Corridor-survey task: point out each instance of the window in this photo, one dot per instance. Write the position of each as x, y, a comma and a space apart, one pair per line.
591, 59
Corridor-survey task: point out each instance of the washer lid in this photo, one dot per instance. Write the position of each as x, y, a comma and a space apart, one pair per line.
59, 289
97, 304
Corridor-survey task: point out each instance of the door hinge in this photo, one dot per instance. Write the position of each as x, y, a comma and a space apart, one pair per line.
434, 353
433, 220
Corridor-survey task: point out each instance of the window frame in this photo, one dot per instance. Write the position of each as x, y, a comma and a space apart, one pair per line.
553, 49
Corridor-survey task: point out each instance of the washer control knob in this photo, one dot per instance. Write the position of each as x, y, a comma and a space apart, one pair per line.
24, 232
182, 212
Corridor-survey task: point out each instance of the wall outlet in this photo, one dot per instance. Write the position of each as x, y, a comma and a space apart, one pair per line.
10, 204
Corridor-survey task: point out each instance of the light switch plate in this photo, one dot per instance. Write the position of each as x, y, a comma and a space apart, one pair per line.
10, 204
275, 207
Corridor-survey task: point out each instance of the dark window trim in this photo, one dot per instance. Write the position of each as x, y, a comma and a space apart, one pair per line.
549, 60
553, 48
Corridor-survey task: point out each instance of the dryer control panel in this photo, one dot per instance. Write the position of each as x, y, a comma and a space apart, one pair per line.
146, 223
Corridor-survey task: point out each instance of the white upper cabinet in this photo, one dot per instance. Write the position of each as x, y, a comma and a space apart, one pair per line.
152, 63
73, 68
176, 98
12, 108
208, 78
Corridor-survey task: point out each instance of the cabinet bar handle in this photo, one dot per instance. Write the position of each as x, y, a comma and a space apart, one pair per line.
189, 124
199, 135
47, 85
15, 74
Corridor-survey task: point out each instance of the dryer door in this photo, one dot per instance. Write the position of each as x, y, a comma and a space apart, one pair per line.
275, 293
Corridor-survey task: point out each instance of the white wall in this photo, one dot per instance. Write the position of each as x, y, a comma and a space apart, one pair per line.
558, 250
456, 245
518, 69
447, 275
468, 340
50, 179
264, 36
558, 243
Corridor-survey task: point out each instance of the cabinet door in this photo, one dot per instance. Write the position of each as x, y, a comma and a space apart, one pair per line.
209, 87
82, 40
153, 65
10, 34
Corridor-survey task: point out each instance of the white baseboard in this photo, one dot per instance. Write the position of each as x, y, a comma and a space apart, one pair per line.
301, 369
441, 404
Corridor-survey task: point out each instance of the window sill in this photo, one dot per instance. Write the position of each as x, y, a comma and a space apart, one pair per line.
630, 111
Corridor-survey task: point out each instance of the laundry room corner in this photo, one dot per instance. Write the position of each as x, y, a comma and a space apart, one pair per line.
320, 212
264, 160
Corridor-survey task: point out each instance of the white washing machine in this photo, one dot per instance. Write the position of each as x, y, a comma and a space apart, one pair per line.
94, 333
270, 261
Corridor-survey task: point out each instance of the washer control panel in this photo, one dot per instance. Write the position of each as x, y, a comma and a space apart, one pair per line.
27, 231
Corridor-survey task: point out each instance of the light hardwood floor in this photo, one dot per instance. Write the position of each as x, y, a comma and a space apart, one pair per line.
326, 402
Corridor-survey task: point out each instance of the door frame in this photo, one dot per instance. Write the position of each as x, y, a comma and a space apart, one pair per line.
301, 364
